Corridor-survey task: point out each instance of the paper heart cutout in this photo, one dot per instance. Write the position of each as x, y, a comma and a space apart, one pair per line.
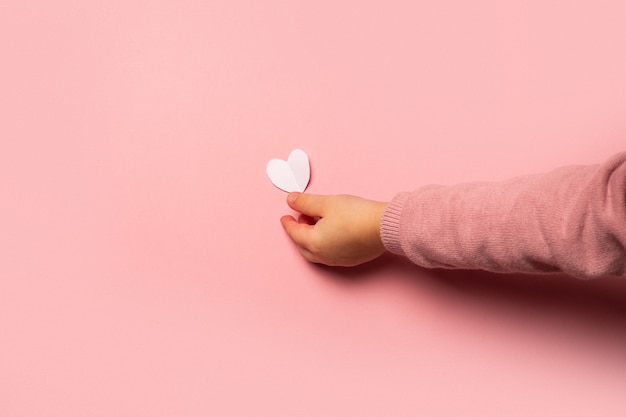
292, 174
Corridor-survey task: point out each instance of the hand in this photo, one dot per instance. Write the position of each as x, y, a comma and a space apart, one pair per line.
339, 230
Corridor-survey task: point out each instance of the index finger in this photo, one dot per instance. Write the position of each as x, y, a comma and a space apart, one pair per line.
300, 233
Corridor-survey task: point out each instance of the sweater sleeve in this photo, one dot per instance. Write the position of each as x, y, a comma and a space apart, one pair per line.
571, 220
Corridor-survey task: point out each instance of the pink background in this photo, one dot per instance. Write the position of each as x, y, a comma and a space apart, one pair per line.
143, 269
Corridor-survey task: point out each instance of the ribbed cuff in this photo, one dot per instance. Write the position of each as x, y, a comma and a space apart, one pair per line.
390, 224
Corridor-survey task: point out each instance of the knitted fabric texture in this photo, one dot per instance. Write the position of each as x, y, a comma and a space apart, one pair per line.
571, 220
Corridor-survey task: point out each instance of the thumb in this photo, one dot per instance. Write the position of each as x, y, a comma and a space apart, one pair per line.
310, 204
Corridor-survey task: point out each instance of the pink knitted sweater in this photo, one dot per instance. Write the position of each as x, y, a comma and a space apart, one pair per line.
571, 220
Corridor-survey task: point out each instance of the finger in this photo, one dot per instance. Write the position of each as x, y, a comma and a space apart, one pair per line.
312, 205
298, 232
306, 254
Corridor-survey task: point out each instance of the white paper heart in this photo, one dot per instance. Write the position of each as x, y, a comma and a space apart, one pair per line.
292, 174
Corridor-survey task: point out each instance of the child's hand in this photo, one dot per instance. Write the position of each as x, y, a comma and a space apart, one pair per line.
337, 230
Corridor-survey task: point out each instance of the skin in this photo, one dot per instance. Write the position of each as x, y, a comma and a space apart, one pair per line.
338, 230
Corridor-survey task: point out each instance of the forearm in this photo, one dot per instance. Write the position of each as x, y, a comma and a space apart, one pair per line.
571, 220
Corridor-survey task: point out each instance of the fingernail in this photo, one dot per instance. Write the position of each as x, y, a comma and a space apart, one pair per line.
291, 198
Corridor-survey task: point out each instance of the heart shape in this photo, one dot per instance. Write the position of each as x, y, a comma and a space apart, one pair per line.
292, 174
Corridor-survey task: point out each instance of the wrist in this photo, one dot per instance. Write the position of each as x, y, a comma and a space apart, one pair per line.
378, 210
